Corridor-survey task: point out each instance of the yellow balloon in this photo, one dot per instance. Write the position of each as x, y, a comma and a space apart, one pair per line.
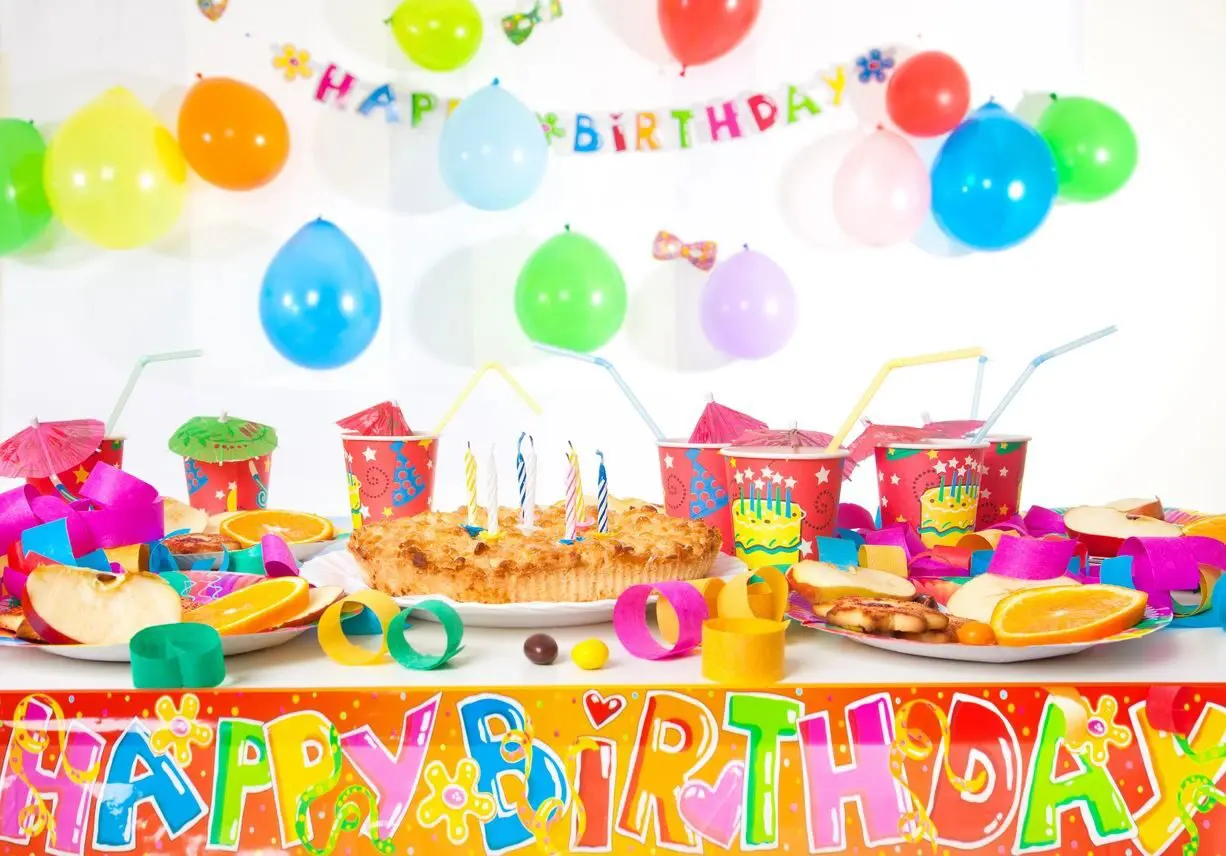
114, 174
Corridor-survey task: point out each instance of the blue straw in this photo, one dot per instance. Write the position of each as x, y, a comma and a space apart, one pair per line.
1029, 370
983, 361
617, 378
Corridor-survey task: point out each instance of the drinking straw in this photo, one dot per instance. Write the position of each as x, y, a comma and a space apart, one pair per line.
1029, 370
135, 376
983, 361
617, 378
889, 366
472, 384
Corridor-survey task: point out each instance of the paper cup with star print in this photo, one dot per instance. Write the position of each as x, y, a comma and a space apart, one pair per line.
109, 451
228, 485
695, 485
933, 487
782, 500
1000, 483
389, 477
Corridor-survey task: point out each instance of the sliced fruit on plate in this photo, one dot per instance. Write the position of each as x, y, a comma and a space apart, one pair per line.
77, 606
179, 516
976, 600
1066, 615
1208, 527
822, 582
256, 608
319, 599
294, 527
1147, 507
1103, 530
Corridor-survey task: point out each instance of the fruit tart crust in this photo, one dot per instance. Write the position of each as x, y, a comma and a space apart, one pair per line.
432, 554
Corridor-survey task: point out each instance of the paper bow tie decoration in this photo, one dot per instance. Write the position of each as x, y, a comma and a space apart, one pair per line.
519, 25
700, 254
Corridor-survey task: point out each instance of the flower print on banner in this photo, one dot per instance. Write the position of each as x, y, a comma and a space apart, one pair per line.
549, 124
1100, 732
874, 66
212, 9
179, 729
294, 62
453, 799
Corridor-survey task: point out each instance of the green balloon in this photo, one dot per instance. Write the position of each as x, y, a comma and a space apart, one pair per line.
1094, 147
571, 294
438, 35
24, 210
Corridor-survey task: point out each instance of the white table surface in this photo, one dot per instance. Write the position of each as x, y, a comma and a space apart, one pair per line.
495, 658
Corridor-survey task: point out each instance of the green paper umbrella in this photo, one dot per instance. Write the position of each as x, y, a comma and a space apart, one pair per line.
214, 439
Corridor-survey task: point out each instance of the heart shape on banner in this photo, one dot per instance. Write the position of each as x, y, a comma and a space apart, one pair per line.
212, 9
715, 812
600, 710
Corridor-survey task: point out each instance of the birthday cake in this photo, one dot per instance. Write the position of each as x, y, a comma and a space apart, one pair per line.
946, 514
433, 553
766, 533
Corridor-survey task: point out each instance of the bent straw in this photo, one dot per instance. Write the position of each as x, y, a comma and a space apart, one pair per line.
617, 378
1029, 370
889, 366
472, 384
135, 376
983, 361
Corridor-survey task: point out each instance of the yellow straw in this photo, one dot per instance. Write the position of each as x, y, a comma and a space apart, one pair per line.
890, 365
472, 384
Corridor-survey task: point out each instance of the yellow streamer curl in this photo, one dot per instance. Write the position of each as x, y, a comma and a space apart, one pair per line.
36, 817
551, 811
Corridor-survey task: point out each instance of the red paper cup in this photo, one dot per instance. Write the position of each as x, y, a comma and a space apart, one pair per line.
389, 477
1000, 487
109, 451
228, 486
696, 485
933, 487
781, 501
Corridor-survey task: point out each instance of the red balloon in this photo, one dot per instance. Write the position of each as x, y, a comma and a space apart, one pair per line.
700, 31
928, 95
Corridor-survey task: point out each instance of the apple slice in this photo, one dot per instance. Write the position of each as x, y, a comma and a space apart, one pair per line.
180, 516
77, 606
1151, 507
822, 582
318, 601
977, 599
1103, 530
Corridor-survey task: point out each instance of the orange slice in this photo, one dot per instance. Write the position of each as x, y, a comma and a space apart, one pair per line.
294, 527
1208, 527
1066, 614
260, 607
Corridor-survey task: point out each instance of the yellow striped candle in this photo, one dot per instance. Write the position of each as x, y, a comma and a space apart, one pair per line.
470, 484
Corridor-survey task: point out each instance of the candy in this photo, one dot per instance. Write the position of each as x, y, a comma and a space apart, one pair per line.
590, 654
541, 649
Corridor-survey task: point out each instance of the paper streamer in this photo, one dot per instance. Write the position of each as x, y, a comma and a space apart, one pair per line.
1163, 565
347, 814
176, 657
743, 651
277, 558
332, 637
753, 594
517, 745
1032, 558
630, 619
406, 655
37, 816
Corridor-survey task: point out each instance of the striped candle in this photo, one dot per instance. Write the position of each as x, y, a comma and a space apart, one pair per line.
529, 517
470, 484
580, 508
572, 498
521, 475
602, 497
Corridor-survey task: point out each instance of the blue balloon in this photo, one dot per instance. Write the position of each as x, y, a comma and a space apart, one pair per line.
320, 303
994, 181
493, 151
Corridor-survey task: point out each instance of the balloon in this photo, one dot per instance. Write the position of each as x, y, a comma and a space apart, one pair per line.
114, 174
571, 294
881, 191
492, 152
748, 306
700, 31
808, 189
438, 35
928, 95
232, 134
931, 238
994, 181
320, 303
1094, 146
24, 210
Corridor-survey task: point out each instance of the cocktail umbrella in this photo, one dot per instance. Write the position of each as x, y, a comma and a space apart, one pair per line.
875, 435
720, 424
384, 419
953, 429
791, 438
216, 439
47, 448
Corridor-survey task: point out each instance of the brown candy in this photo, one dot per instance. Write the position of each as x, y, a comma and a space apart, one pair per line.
925, 600
541, 649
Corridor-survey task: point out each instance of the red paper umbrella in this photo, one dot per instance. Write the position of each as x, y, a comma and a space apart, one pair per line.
47, 448
384, 419
720, 424
954, 429
875, 435
793, 438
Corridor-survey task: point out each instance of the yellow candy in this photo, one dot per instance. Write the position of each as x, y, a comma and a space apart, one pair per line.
590, 654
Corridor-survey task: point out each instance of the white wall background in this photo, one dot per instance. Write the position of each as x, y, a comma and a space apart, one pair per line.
1135, 414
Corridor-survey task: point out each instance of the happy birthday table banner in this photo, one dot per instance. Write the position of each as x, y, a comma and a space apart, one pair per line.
589, 132
844, 770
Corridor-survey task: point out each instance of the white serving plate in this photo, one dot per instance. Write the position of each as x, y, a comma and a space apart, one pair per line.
230, 645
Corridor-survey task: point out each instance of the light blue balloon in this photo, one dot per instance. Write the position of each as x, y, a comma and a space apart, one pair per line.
320, 303
930, 238
493, 151
994, 181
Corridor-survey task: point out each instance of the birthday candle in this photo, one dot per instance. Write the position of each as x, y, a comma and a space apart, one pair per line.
788, 493
572, 503
602, 496
529, 501
580, 508
470, 484
491, 494
941, 492
521, 474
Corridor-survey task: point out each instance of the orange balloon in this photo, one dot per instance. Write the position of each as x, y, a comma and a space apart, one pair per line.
232, 134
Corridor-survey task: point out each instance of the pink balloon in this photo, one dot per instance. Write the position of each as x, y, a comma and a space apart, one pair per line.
882, 192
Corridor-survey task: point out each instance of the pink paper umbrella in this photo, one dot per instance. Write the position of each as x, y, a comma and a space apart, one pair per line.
875, 435
793, 438
720, 424
47, 448
384, 419
953, 429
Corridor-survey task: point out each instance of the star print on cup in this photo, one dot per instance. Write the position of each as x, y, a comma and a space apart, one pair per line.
389, 477
1000, 487
933, 487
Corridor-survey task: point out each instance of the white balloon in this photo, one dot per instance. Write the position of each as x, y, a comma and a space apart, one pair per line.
808, 190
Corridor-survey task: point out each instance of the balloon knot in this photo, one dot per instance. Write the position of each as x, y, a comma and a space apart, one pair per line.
881, 126
387, 21
199, 76
1053, 96
683, 71
566, 227
745, 246
495, 81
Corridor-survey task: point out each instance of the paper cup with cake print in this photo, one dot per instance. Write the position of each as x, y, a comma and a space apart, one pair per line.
782, 500
932, 487
696, 486
109, 451
227, 462
389, 477
1000, 480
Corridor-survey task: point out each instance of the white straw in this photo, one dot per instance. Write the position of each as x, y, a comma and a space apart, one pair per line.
135, 376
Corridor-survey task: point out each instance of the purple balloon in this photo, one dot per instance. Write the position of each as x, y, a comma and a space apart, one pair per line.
748, 306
